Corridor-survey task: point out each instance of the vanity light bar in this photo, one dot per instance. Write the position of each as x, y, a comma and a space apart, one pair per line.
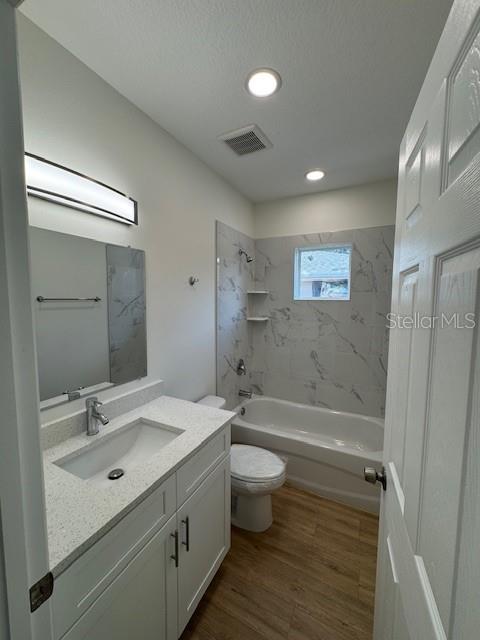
50, 181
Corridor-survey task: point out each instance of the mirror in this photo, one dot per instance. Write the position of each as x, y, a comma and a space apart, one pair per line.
90, 310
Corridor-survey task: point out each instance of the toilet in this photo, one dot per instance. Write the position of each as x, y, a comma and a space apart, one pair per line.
255, 474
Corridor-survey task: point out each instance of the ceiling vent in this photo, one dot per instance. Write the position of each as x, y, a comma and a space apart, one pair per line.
246, 140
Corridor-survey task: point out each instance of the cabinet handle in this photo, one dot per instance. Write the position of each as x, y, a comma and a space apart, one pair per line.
186, 522
175, 555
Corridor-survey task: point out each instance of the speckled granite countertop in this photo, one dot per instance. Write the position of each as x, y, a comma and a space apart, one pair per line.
80, 512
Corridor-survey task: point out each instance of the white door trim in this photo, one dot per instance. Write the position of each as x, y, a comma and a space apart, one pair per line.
21, 474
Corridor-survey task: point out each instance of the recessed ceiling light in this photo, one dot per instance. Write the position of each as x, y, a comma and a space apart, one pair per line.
263, 83
314, 175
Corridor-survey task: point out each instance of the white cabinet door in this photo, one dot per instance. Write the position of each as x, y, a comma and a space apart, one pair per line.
428, 585
83, 582
204, 530
141, 602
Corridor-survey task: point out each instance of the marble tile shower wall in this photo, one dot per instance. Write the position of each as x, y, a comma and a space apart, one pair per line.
234, 277
330, 353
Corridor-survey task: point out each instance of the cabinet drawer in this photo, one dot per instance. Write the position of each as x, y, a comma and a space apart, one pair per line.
81, 584
192, 473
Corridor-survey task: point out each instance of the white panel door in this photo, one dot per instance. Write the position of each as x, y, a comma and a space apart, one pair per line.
428, 581
204, 529
23, 536
141, 602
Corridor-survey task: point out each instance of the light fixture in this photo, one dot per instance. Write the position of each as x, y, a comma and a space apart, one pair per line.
50, 181
263, 83
314, 175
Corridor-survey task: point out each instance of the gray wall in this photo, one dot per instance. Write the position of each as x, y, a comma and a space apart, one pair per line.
358, 207
72, 337
73, 117
329, 353
234, 277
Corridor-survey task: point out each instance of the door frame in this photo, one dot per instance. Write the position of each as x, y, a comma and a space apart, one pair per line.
22, 500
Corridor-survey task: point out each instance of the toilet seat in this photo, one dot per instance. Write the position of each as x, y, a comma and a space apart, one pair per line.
246, 488
252, 465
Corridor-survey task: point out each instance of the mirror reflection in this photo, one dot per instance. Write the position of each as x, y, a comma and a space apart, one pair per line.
90, 313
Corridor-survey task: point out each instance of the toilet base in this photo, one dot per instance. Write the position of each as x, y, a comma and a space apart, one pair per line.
252, 513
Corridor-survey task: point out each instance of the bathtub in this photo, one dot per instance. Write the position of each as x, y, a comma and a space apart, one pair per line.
326, 450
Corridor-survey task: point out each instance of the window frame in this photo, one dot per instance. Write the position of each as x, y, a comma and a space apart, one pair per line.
296, 271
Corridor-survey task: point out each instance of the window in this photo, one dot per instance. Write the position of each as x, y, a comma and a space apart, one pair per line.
322, 273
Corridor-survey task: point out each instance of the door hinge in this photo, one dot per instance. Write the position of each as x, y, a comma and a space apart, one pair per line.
41, 591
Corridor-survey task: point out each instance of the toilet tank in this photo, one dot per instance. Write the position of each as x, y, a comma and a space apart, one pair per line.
213, 401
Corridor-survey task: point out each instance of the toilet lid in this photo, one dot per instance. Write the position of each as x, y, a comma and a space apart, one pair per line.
254, 464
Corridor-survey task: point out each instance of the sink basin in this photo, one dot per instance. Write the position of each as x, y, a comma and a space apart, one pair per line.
130, 446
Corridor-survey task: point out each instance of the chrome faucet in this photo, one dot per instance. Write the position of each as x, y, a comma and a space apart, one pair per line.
94, 416
245, 394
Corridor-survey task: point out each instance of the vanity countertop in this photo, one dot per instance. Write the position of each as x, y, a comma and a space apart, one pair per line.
79, 513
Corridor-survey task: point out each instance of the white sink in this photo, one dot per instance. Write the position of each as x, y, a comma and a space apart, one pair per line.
125, 449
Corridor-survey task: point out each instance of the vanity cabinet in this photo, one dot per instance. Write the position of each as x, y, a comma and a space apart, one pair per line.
205, 539
142, 600
145, 577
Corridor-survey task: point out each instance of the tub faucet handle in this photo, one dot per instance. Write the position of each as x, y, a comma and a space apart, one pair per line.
241, 368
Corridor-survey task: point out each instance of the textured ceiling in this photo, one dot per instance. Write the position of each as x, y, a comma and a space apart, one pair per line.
351, 71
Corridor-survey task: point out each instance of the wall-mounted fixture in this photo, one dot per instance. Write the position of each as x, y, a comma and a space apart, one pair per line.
241, 368
263, 83
43, 299
50, 181
248, 258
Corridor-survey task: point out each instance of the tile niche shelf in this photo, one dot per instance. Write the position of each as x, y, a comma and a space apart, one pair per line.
254, 318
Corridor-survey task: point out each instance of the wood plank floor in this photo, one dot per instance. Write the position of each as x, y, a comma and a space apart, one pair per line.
311, 576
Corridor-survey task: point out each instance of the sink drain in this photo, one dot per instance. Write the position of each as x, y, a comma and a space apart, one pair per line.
115, 474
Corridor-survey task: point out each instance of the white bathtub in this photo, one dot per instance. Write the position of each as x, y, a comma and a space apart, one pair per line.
326, 450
